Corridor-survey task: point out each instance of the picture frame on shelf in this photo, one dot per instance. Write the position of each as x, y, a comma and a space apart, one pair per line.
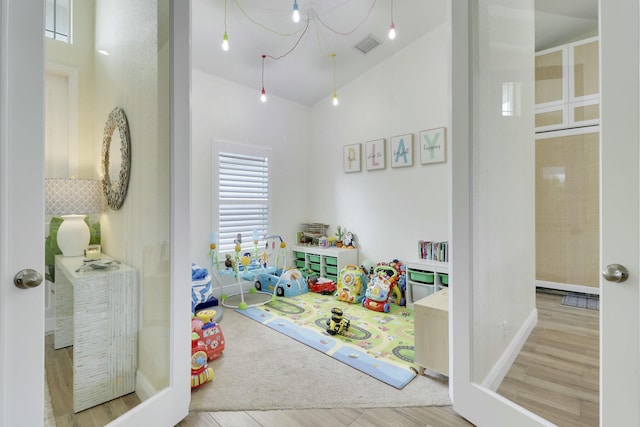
401, 151
375, 154
351, 158
433, 146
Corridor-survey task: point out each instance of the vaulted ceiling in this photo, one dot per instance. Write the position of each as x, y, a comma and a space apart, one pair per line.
304, 72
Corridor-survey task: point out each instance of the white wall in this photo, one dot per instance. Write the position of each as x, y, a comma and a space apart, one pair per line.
389, 210
228, 112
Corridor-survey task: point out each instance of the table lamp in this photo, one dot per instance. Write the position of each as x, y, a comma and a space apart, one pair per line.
72, 200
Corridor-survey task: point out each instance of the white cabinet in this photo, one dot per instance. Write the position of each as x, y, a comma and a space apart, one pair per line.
425, 277
327, 262
97, 313
567, 92
431, 331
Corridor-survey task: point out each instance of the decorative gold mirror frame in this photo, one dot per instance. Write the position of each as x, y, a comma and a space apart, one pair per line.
115, 192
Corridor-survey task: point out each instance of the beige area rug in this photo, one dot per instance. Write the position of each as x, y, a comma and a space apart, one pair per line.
262, 369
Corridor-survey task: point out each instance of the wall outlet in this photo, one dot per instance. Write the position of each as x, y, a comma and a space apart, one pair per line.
505, 329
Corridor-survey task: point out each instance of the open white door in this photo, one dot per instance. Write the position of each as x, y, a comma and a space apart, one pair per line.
21, 211
22, 220
620, 213
492, 205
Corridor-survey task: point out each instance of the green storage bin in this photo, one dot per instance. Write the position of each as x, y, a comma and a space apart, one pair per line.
332, 277
444, 278
332, 270
300, 263
329, 260
421, 276
314, 258
315, 267
298, 255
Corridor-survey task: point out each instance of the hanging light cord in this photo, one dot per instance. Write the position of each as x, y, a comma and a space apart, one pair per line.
263, 58
334, 73
264, 26
225, 16
391, 12
306, 26
373, 3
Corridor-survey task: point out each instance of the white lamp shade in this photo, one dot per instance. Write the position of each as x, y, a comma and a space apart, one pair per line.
73, 235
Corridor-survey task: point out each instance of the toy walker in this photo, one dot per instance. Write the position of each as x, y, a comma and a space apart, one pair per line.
352, 284
382, 284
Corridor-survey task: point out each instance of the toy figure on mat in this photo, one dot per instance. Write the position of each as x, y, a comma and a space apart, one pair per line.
337, 324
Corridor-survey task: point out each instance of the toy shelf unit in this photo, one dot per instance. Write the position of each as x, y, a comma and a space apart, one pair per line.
428, 274
312, 232
326, 262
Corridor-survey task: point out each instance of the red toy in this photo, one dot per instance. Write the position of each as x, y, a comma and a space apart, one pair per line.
201, 373
209, 333
322, 286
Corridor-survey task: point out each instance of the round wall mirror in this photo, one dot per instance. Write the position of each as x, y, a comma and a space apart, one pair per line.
115, 169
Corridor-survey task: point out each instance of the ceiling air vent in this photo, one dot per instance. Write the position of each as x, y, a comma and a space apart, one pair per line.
365, 45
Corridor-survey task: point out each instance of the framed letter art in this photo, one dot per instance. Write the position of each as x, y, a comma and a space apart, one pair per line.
402, 151
351, 158
433, 145
374, 154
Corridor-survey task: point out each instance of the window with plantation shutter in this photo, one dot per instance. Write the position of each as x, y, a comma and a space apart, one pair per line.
243, 197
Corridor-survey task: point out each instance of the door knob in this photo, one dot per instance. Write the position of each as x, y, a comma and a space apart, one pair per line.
27, 278
615, 273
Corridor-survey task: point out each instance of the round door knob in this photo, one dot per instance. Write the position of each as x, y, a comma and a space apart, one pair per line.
27, 278
615, 273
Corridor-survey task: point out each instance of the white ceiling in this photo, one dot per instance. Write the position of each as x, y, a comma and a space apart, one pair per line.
305, 75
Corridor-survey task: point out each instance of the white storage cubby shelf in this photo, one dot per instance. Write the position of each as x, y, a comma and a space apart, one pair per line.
425, 277
327, 262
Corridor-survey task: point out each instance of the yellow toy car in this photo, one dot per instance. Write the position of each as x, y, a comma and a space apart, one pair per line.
337, 324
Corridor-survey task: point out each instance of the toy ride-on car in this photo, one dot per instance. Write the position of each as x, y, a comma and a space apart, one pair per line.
337, 324
288, 284
321, 285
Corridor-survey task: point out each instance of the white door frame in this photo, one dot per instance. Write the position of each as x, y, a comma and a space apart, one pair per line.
170, 405
477, 403
22, 218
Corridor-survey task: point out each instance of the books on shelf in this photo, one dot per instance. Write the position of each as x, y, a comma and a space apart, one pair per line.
434, 251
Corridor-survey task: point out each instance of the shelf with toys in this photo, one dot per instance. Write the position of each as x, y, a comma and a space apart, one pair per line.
428, 274
326, 262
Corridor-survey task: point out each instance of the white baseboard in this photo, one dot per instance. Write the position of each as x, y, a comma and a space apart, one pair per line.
494, 378
568, 287
144, 389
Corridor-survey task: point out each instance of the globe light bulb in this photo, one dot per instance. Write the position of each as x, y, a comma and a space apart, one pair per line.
335, 99
225, 42
296, 12
263, 96
392, 31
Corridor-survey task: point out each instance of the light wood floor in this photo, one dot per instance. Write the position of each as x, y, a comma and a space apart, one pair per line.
555, 376
59, 376
556, 373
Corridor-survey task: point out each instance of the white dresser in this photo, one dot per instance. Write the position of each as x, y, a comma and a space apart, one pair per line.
97, 313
